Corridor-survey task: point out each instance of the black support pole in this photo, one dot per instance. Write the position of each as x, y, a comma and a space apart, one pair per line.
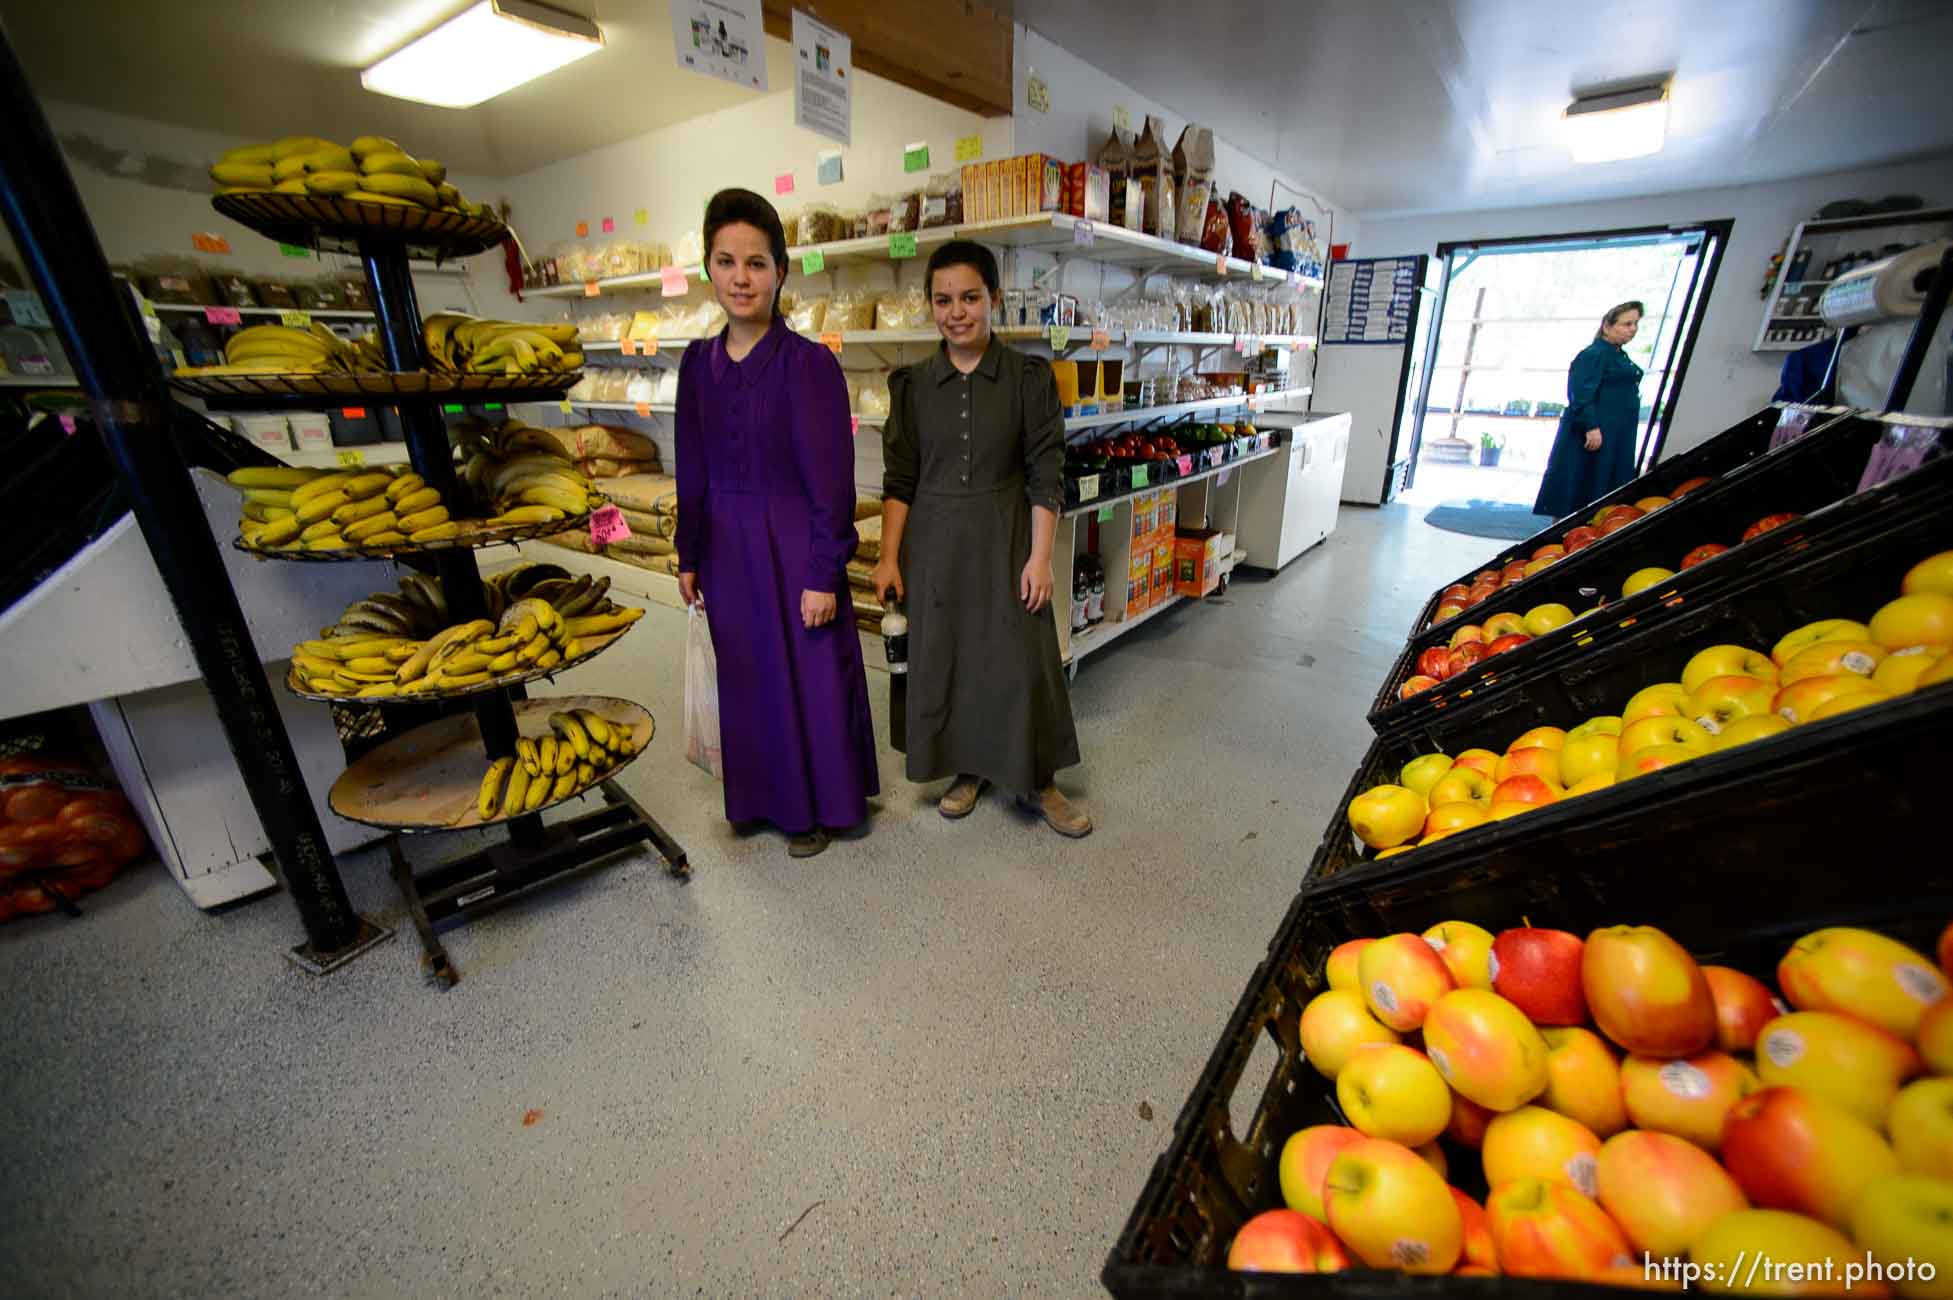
133, 411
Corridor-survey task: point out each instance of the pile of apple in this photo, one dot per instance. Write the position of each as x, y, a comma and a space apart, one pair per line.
1729, 695
1475, 642
1734, 1125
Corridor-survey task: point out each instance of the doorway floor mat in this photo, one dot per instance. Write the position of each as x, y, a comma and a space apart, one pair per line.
1506, 520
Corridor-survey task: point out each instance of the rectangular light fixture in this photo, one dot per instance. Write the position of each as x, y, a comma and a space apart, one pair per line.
482, 52
1627, 124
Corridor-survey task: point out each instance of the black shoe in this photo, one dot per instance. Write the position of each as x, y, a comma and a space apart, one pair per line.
809, 845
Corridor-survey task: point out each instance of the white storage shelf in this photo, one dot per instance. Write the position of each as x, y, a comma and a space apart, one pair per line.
1080, 335
1253, 402
1100, 503
316, 313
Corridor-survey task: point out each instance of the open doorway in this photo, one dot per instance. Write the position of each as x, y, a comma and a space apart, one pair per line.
1511, 316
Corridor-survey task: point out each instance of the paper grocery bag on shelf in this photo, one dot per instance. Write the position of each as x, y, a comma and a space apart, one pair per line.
701, 696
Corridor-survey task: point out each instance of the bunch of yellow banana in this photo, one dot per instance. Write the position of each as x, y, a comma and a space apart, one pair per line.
372, 170
583, 748
288, 350
531, 636
330, 510
522, 474
459, 344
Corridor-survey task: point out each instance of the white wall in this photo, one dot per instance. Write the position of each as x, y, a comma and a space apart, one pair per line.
1726, 380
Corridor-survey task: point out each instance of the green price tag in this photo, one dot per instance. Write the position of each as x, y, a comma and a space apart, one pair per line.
813, 263
452, 410
1105, 514
1060, 335
1139, 476
294, 250
351, 458
902, 245
915, 158
295, 319
491, 406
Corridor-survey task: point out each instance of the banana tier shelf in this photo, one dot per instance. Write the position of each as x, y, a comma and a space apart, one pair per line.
596, 646
341, 225
472, 535
303, 392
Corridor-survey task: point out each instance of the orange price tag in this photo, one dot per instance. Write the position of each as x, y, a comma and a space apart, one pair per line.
210, 243
643, 408
831, 341
582, 229
1100, 340
1220, 264
591, 289
671, 279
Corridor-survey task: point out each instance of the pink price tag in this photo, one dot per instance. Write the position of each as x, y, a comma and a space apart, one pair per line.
607, 525
610, 227
1186, 464
783, 183
672, 280
1220, 264
223, 315
854, 424
67, 424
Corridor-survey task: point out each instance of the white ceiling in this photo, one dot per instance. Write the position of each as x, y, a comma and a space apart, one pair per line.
1386, 105
1431, 105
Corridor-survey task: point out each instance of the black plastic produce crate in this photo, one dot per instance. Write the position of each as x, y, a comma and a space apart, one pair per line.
1733, 447
1736, 868
1816, 477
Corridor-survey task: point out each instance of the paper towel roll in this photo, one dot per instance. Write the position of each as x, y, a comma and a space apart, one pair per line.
1891, 288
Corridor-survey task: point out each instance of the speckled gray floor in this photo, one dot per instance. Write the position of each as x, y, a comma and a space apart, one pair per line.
938, 1036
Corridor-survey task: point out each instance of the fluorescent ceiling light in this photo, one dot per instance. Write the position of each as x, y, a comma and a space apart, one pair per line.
483, 51
1607, 128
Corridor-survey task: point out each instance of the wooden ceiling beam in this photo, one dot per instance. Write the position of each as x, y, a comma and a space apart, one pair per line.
957, 51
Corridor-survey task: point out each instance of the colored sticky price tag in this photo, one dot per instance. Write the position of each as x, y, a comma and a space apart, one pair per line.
832, 341
297, 320
1083, 235
1220, 265
1186, 465
206, 243
350, 458
1254, 271
453, 408
813, 263
607, 525
672, 280
1105, 514
1100, 340
854, 425
969, 148
902, 245
1088, 488
582, 229
1121, 117
1060, 335
565, 407
354, 412
591, 289
223, 315
915, 157
626, 346
643, 409
828, 169
783, 183
294, 250
610, 227
1139, 476
67, 423
641, 217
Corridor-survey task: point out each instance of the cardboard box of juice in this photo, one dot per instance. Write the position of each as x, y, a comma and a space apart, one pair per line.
1139, 581
1162, 570
1197, 562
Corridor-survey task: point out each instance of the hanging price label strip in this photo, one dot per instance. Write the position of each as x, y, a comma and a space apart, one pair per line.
1060, 335
902, 245
1139, 479
813, 263
565, 407
350, 457
223, 315
1088, 488
591, 289
1105, 514
1220, 265
1100, 340
1083, 235
607, 525
297, 320
1186, 465
672, 280
1898, 452
832, 342
1791, 426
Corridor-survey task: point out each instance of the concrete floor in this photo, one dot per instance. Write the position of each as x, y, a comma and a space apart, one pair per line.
940, 1037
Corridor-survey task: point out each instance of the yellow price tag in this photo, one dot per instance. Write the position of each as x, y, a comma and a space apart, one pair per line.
1255, 273
350, 457
566, 408
642, 217
1060, 335
297, 320
969, 148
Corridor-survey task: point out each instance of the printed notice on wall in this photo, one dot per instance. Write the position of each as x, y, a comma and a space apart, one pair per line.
1369, 300
721, 38
822, 75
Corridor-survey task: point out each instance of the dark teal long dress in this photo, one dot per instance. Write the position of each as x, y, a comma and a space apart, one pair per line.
1603, 391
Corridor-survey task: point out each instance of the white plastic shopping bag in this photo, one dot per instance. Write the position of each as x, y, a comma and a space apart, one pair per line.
701, 696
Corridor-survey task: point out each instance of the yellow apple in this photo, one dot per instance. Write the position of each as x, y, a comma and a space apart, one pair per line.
1920, 1124
1391, 1209
1924, 618
1583, 1080
1485, 1048
1688, 1098
1730, 1251
1720, 701
1503, 623
1666, 729
1541, 619
1466, 950
1449, 819
1466, 785
1334, 1025
1582, 756
1652, 758
1825, 629
1899, 672
1340, 969
1934, 573
1422, 772
1539, 565
1598, 781
1605, 724
1664, 1192
1306, 1158
1539, 738
1940, 670
1801, 699
1905, 1223
1663, 699
1394, 850
1533, 1142
1642, 579
1387, 815
1846, 1061
1744, 730
1401, 978
1829, 657
1861, 973
1727, 661
1934, 1037
1433, 1155
1845, 703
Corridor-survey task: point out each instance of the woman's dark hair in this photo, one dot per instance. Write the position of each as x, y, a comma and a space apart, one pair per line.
963, 252
743, 207
1617, 311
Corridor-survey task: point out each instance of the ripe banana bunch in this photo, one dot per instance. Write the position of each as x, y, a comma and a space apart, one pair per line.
459, 344
287, 350
571, 596
583, 748
327, 510
372, 170
522, 474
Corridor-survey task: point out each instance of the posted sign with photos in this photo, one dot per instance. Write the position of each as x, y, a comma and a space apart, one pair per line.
721, 38
822, 79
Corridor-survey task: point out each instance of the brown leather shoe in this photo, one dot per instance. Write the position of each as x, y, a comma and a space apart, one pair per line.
960, 800
1059, 813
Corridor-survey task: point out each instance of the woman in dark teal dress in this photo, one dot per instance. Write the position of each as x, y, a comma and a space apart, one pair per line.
1593, 452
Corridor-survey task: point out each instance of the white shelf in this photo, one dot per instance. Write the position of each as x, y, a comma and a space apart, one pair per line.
616, 345
319, 313
1053, 232
1094, 639
1099, 503
1257, 401
375, 453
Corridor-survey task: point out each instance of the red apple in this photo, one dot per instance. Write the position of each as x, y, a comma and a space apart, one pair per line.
1791, 1150
1547, 1228
1619, 518
1305, 1161
1743, 1006
1432, 662
1402, 976
1538, 971
1646, 992
1485, 575
1768, 524
1525, 789
1464, 657
1946, 950
1456, 591
1583, 536
1469, 1120
1510, 641
1706, 551
1415, 685
1514, 572
1479, 1250
1285, 1241
1689, 485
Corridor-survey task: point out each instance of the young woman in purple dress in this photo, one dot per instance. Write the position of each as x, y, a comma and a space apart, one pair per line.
765, 533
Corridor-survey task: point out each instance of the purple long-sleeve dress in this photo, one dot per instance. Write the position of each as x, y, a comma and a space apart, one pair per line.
765, 512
